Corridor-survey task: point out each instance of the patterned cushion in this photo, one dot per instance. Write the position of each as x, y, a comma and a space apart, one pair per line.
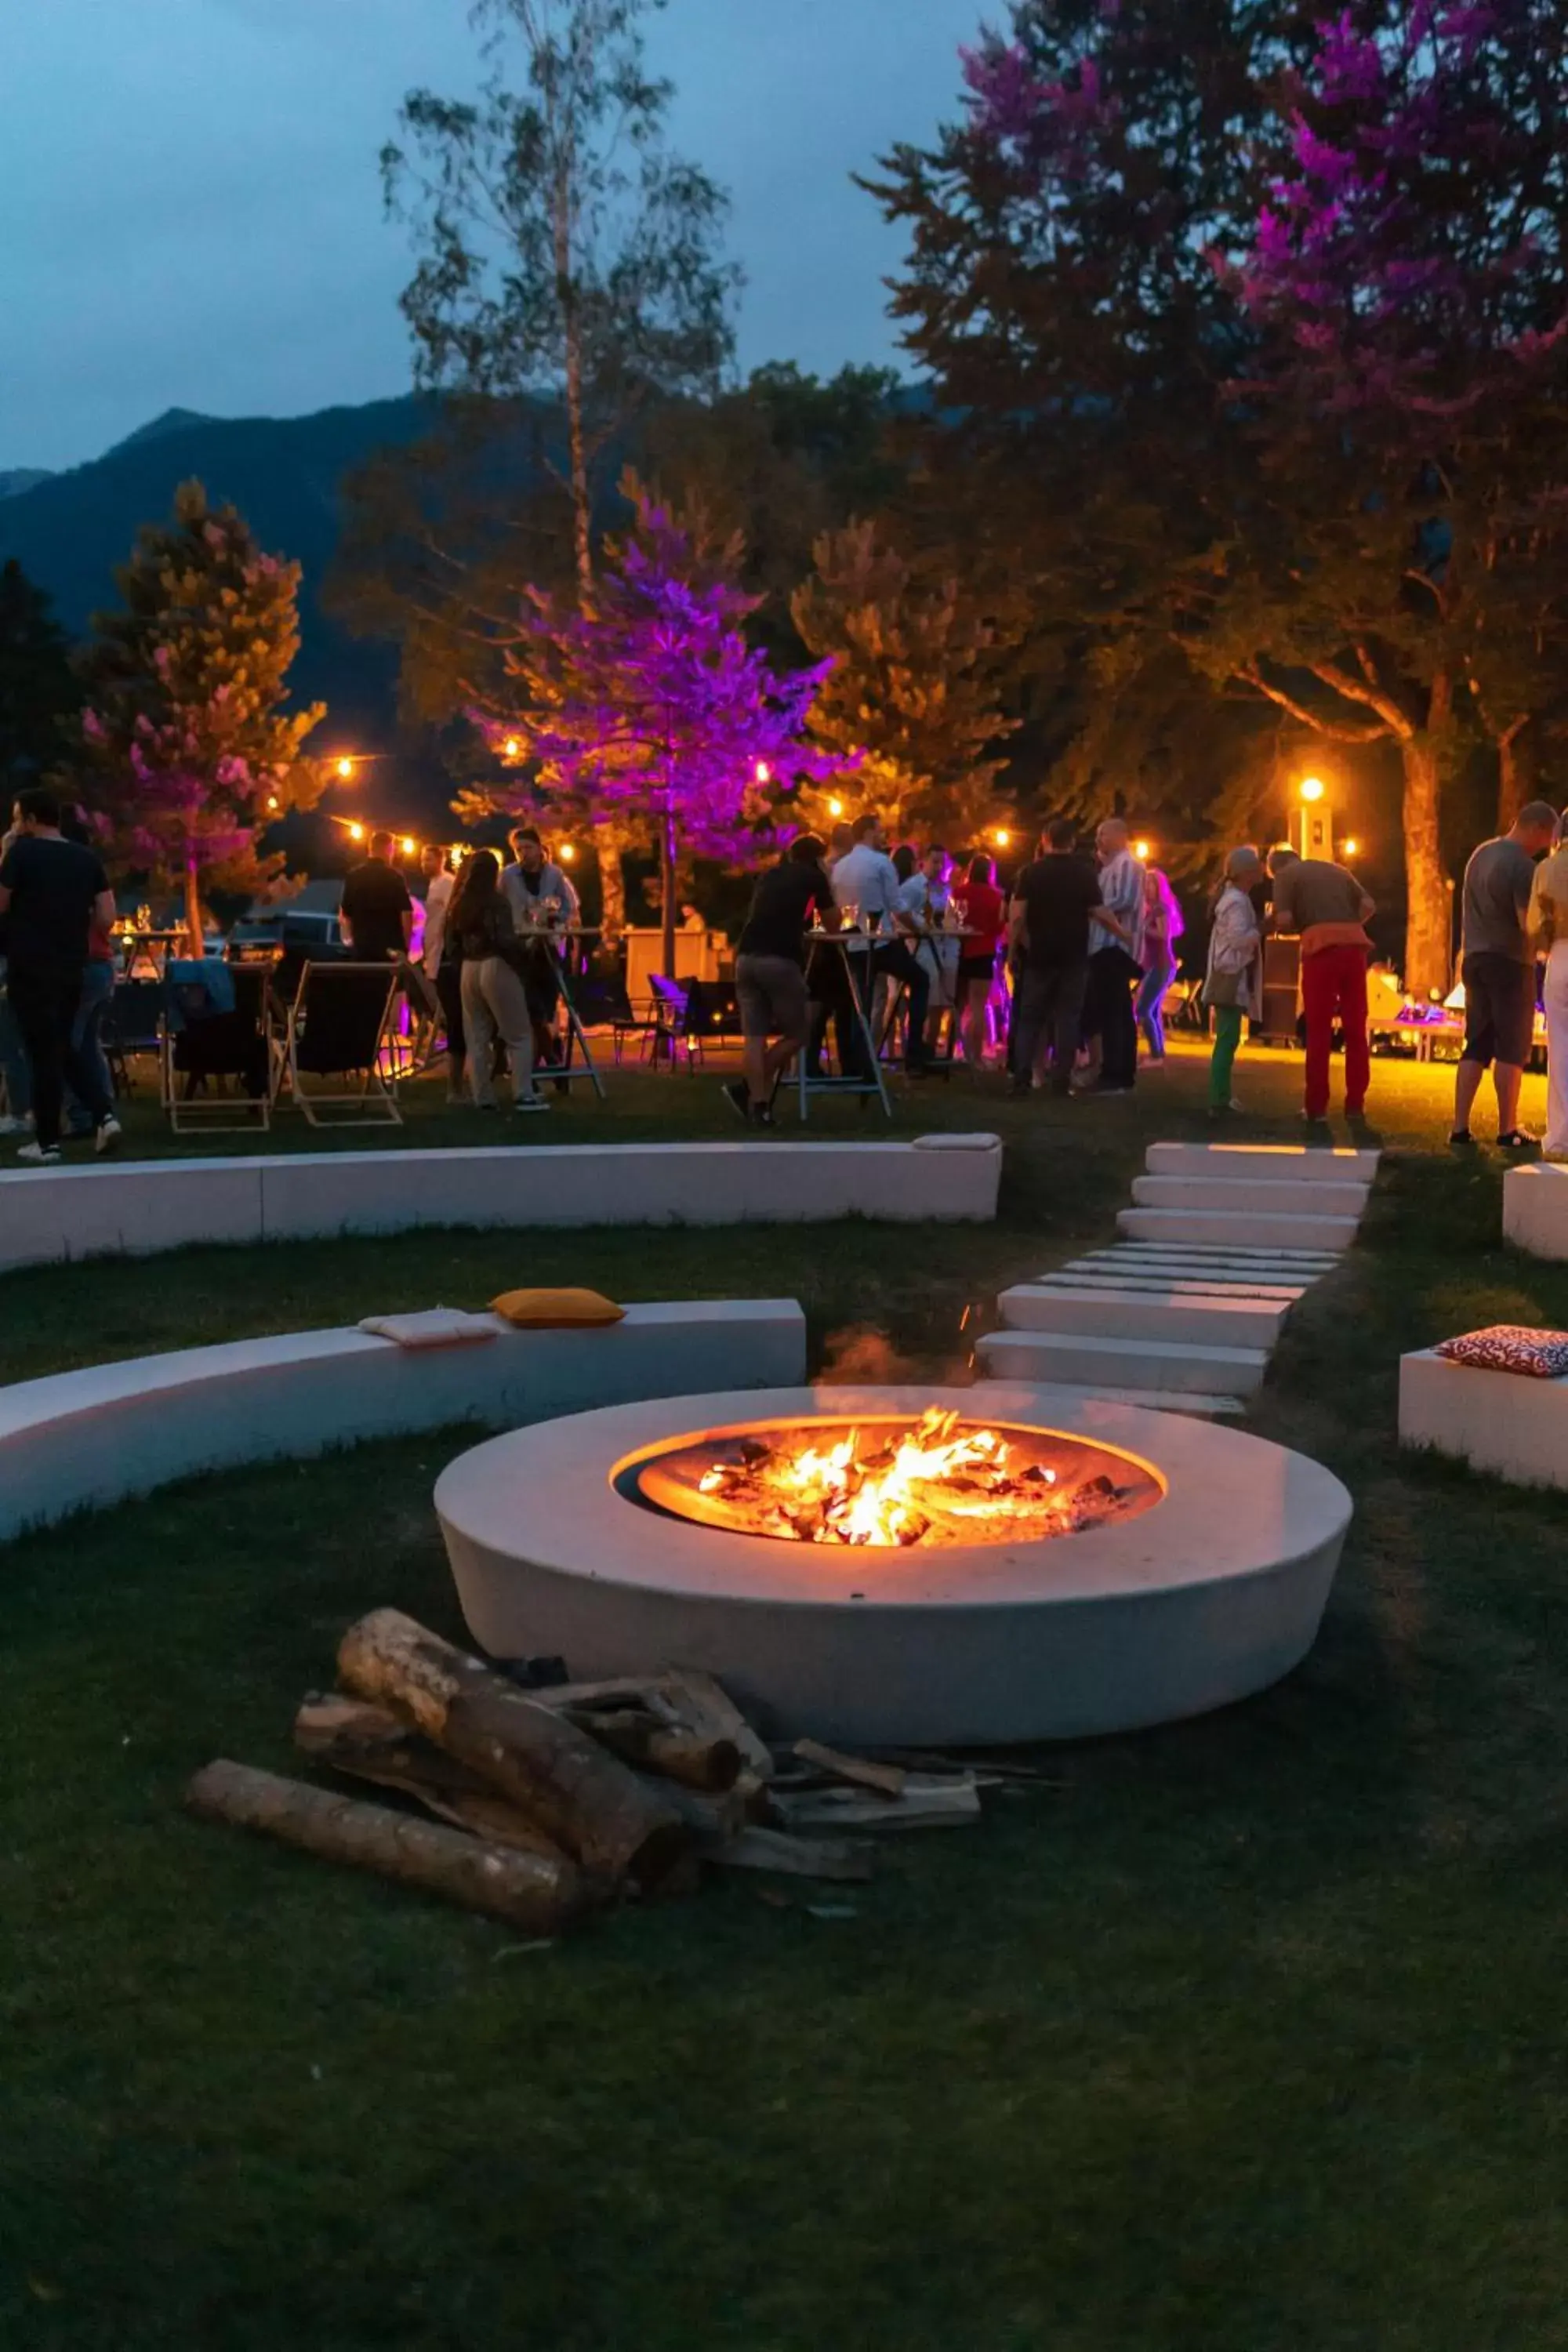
1511, 1348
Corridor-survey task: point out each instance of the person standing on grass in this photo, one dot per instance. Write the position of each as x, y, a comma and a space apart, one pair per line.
865, 879
1114, 965
1233, 982
1162, 928
1327, 906
1048, 921
770, 972
1498, 967
479, 924
982, 910
1548, 931
443, 969
52, 891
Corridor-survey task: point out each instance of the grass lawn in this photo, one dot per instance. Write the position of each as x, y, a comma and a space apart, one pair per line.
1247, 2036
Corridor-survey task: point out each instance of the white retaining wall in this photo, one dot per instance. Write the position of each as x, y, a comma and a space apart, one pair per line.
95, 1436
141, 1206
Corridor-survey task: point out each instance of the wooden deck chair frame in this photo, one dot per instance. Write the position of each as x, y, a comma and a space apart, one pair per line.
222, 1114
374, 1102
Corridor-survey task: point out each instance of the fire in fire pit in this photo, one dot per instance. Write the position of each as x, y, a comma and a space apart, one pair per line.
942, 1480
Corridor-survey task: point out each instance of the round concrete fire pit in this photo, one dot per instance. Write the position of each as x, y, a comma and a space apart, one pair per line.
1187, 1567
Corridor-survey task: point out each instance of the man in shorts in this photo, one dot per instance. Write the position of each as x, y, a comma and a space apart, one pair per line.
770, 972
1499, 972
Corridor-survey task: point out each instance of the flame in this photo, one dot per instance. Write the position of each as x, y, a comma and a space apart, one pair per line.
891, 1494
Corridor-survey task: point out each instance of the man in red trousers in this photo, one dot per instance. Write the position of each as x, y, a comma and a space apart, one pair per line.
1327, 906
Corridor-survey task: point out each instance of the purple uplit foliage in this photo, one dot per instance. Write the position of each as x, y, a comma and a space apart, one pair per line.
1414, 258
651, 701
1039, 127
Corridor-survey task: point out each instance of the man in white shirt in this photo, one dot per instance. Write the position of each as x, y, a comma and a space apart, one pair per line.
866, 879
1113, 966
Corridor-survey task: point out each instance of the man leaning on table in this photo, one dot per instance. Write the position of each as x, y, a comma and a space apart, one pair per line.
866, 879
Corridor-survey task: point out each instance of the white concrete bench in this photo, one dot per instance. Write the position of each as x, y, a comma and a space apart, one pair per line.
138, 1207
95, 1436
1535, 1209
1499, 1422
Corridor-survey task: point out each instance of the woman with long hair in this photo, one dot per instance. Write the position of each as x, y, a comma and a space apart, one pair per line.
480, 927
1163, 927
1233, 986
984, 910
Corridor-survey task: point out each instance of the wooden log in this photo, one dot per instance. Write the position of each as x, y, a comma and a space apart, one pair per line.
698, 1759
708, 1706
889, 1778
371, 1743
526, 1890
580, 1795
714, 1819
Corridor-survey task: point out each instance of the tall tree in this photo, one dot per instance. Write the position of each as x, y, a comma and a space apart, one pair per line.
1101, 271
186, 728
1406, 277
912, 696
39, 692
651, 698
564, 248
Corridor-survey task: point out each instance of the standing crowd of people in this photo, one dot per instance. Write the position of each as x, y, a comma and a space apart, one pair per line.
57, 920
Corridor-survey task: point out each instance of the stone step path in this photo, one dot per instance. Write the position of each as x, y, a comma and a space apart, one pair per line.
1185, 1310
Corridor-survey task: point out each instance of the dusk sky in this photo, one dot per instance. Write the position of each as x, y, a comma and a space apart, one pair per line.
192, 205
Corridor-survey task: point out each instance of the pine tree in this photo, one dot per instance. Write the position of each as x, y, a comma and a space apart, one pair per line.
911, 699
186, 728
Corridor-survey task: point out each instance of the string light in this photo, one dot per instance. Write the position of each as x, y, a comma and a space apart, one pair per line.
356, 831
512, 746
1312, 788
1350, 847
1002, 836
271, 799
568, 853
834, 808
409, 844
764, 774
1143, 850
345, 768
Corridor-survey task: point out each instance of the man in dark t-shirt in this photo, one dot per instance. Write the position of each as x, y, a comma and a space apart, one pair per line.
377, 910
1048, 941
770, 972
51, 891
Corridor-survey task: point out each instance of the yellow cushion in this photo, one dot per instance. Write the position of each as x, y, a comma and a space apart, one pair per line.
547, 1310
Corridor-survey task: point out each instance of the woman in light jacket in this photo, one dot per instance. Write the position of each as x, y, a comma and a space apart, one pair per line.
1233, 986
1548, 926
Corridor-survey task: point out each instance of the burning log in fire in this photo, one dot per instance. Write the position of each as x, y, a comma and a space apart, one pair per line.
936, 1483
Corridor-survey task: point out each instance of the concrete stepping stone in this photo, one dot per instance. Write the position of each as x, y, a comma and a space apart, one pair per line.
1143, 1315
1263, 1162
1070, 1359
1243, 1228
1171, 1286
1214, 1253
1274, 1197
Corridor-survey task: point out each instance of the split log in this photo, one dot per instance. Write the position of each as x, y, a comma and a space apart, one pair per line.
371, 1743
924, 1805
526, 1890
580, 1795
714, 1820
708, 1706
698, 1759
799, 1857
890, 1778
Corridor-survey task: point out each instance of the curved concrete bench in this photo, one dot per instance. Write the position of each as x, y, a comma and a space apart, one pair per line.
96, 1436
1535, 1209
137, 1207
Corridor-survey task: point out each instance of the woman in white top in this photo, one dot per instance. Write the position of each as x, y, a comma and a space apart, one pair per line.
1233, 986
1548, 927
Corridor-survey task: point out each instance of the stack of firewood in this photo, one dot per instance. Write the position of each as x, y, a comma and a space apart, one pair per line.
551, 1803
